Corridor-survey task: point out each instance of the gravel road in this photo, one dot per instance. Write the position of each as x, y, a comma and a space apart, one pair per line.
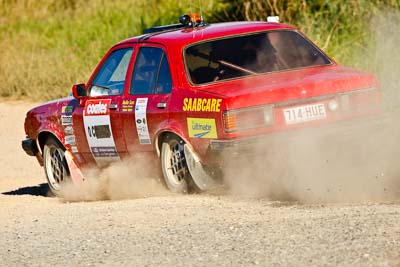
173, 230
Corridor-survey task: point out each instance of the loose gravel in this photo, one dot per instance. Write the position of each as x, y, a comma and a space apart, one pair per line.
197, 230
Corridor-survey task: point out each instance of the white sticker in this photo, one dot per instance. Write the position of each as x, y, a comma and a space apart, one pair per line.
69, 130
70, 139
96, 120
74, 149
141, 121
66, 120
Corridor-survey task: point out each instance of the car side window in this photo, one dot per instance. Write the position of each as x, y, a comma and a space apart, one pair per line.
164, 82
151, 73
110, 79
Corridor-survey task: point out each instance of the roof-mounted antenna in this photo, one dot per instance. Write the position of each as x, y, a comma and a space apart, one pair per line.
201, 13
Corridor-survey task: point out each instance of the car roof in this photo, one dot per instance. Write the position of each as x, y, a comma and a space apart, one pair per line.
184, 36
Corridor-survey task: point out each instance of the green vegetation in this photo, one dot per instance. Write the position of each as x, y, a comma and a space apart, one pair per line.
48, 45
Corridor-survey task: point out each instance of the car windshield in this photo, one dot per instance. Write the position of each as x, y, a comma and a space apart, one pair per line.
253, 54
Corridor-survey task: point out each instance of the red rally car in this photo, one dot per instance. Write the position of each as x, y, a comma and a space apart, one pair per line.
191, 92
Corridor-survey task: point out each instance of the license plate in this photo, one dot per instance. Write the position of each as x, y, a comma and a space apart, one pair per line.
304, 113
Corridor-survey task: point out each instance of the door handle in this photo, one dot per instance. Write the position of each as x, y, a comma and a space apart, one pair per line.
162, 105
113, 106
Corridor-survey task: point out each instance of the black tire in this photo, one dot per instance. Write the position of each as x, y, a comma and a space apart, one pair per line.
174, 167
55, 165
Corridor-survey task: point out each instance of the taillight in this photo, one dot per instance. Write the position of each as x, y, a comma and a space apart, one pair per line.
248, 118
365, 98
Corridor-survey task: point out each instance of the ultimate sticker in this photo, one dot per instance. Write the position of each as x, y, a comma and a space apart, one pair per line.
141, 122
96, 120
202, 128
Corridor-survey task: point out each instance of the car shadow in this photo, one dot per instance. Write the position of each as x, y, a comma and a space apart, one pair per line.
38, 190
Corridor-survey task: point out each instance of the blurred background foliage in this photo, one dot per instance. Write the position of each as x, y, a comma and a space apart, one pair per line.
48, 45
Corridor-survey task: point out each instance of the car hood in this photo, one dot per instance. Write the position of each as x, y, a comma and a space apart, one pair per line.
291, 85
52, 103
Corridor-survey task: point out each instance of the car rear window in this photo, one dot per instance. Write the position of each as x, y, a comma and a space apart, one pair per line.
253, 54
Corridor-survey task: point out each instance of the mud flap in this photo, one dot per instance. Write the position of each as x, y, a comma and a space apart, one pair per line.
199, 176
75, 172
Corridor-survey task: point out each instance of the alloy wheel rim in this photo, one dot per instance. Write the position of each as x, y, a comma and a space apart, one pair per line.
176, 163
55, 167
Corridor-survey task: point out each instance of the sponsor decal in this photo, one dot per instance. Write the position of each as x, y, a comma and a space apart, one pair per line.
97, 107
74, 149
142, 101
69, 130
99, 131
127, 105
67, 109
202, 104
96, 120
70, 139
104, 152
66, 120
141, 122
202, 128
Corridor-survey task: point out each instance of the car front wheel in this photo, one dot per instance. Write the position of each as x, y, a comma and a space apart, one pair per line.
55, 165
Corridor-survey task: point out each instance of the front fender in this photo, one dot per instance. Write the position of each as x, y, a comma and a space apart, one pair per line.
44, 133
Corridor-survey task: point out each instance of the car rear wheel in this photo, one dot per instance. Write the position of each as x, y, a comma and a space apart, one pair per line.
55, 165
174, 166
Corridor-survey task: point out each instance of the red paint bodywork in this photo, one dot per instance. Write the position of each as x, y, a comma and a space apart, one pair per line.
281, 89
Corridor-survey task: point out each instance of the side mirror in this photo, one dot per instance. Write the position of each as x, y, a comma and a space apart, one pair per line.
79, 90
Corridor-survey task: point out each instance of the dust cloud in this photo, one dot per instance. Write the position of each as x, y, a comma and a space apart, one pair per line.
135, 177
320, 167
347, 164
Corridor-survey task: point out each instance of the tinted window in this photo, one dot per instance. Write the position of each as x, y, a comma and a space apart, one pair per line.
110, 79
164, 82
251, 55
151, 73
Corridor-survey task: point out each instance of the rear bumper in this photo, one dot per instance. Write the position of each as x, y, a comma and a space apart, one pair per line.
344, 131
29, 146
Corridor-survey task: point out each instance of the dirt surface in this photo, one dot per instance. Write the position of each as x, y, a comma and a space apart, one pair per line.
174, 230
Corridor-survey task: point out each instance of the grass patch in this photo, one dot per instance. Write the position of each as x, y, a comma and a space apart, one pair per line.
46, 46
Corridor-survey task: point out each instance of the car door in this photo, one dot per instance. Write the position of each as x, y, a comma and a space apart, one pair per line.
146, 104
98, 122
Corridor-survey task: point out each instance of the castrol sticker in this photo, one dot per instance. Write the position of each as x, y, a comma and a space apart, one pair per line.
96, 120
141, 121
